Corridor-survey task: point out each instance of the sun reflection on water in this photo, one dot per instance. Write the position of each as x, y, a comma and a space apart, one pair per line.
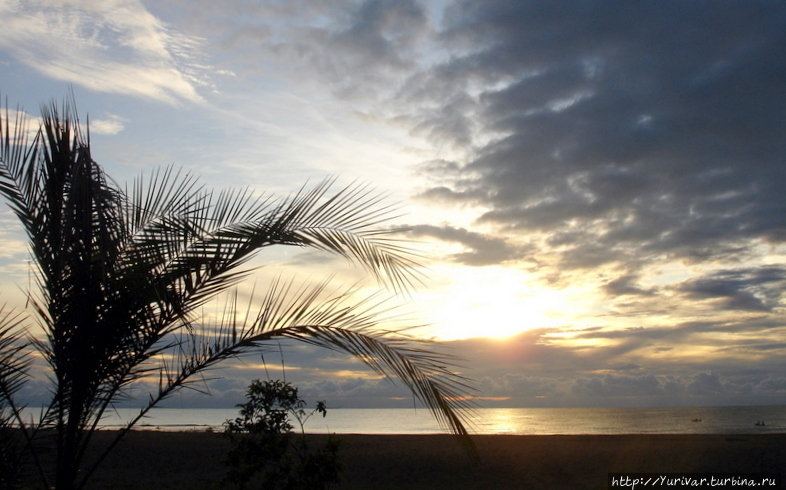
503, 421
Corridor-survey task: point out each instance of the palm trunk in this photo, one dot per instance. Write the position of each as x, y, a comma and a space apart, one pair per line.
68, 449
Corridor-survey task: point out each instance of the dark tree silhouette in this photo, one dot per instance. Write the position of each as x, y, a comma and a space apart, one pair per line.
122, 274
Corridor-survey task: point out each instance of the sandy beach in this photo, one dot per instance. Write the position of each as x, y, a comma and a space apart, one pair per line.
193, 460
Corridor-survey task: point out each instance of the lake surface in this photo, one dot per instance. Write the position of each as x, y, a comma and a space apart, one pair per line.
533, 421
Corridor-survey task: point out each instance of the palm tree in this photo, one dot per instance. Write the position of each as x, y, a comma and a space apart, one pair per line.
122, 276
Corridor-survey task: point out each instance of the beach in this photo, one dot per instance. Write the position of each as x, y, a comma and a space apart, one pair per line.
193, 460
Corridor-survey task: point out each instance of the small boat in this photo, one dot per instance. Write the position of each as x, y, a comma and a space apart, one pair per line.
759, 423
696, 420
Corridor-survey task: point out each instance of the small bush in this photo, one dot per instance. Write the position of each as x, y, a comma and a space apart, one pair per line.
266, 453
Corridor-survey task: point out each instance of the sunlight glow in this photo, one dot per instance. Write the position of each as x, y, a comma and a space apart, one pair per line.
495, 302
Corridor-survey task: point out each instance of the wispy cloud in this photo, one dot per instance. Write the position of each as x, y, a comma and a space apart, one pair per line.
116, 46
108, 125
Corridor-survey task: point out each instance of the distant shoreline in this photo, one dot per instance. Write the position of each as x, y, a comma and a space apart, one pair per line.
192, 460
522, 421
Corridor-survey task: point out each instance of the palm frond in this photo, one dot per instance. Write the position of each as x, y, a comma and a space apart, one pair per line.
343, 322
14, 359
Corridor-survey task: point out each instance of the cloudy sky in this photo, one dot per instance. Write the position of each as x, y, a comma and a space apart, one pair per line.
599, 187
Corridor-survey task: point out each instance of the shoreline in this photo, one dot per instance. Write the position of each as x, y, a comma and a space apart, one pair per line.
193, 460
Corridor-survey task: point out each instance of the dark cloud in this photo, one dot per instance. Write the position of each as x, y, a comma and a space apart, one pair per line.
607, 134
626, 285
705, 384
758, 289
613, 385
623, 130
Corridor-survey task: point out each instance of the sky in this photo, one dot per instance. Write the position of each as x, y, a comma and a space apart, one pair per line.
597, 187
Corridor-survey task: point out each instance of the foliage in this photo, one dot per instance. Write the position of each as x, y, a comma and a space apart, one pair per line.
121, 276
13, 369
263, 445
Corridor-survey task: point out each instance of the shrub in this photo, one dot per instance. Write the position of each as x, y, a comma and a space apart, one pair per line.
266, 452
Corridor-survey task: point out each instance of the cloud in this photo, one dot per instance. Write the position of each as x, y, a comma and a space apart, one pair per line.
623, 390
575, 126
711, 362
614, 385
318, 373
547, 369
605, 142
544, 368
480, 249
116, 47
626, 285
109, 125
356, 48
593, 135
375, 41
705, 384
758, 289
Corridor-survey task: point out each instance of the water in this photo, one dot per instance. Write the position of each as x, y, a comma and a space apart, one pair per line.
533, 421
681, 420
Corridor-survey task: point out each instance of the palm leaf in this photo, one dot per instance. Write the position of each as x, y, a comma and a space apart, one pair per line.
14, 360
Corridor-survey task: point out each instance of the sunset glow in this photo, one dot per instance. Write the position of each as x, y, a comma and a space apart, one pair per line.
495, 302
596, 192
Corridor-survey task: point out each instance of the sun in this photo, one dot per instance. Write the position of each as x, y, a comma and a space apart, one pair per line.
492, 302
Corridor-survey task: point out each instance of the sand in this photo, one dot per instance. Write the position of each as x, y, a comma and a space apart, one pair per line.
193, 460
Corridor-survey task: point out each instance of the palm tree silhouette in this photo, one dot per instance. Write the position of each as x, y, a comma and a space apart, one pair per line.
122, 274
